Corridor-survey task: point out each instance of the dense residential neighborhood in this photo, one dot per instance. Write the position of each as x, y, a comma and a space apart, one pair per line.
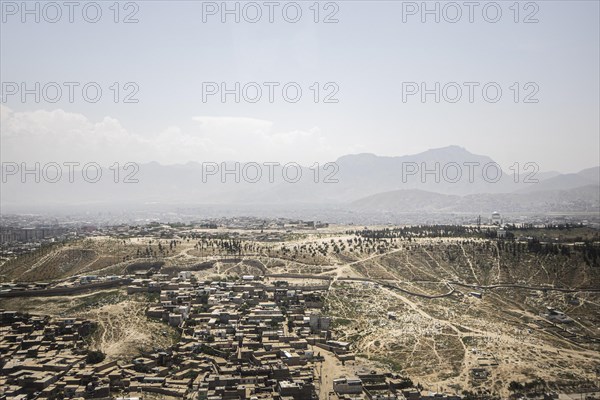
239, 340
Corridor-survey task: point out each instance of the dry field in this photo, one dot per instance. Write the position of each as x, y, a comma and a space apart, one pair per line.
124, 331
437, 341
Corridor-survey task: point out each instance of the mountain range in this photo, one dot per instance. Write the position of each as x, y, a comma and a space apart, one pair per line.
358, 182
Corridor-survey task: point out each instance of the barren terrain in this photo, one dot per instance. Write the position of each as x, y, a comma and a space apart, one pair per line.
404, 302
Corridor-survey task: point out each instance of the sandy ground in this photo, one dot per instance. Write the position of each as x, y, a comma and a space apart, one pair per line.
124, 331
457, 336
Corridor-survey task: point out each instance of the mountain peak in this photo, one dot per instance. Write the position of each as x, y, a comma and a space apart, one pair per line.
444, 152
454, 149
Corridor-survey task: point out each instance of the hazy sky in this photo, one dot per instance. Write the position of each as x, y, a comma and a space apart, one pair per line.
367, 55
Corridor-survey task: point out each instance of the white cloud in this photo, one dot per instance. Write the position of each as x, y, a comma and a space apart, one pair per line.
60, 136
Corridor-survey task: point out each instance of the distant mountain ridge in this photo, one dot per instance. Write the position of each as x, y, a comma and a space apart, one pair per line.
582, 199
358, 181
589, 176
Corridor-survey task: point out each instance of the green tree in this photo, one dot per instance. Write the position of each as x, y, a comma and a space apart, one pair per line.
94, 357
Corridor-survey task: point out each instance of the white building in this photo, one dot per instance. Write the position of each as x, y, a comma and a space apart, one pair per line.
347, 386
496, 218
185, 275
